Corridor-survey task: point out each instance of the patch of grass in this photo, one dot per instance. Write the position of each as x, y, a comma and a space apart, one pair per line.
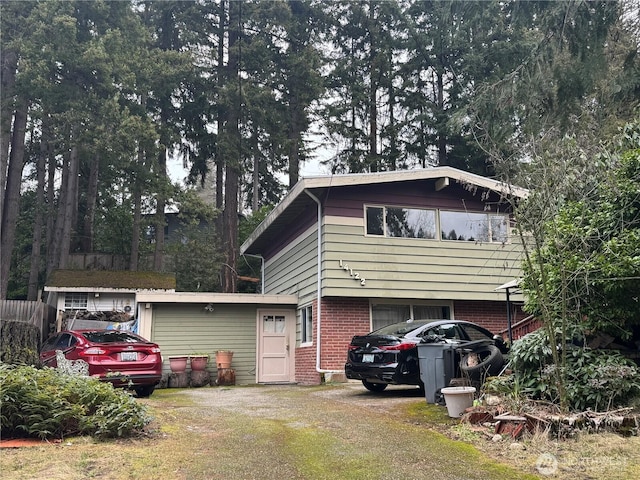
430, 414
173, 397
318, 454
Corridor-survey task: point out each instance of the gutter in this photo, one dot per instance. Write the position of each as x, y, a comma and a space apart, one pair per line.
319, 288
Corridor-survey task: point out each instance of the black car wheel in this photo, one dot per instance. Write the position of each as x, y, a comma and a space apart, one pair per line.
374, 387
146, 391
483, 360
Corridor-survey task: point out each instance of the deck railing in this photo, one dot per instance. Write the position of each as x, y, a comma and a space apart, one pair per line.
524, 326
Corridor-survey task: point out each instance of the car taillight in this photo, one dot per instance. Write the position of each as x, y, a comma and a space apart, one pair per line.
398, 346
155, 350
92, 351
353, 347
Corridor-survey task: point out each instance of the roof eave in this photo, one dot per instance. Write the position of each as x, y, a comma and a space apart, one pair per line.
326, 181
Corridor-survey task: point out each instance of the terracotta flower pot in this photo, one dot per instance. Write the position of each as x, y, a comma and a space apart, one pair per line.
223, 358
199, 362
178, 363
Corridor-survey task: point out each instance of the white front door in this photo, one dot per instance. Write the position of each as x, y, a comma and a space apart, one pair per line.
276, 346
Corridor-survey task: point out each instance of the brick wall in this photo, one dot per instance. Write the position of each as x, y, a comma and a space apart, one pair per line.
342, 318
490, 315
306, 366
306, 373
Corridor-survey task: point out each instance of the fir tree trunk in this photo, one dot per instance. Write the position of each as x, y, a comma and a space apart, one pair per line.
92, 198
38, 224
51, 217
69, 208
8, 75
12, 195
233, 157
158, 253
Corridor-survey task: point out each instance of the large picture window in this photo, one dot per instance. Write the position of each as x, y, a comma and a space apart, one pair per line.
401, 222
471, 226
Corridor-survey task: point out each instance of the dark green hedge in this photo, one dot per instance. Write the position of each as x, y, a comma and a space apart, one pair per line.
45, 403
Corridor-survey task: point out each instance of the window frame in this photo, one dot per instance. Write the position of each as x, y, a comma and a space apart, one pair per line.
445, 305
75, 300
488, 219
305, 319
385, 227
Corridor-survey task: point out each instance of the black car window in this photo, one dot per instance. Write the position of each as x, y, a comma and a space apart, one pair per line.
477, 333
111, 336
448, 332
400, 329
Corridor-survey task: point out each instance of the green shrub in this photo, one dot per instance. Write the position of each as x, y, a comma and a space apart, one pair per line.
599, 379
45, 403
593, 379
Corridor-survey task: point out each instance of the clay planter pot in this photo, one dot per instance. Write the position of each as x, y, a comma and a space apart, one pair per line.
223, 358
178, 363
199, 362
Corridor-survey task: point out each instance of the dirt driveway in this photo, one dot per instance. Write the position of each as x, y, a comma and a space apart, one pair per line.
328, 432
339, 431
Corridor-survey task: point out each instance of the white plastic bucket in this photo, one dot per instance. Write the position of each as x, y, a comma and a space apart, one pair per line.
458, 399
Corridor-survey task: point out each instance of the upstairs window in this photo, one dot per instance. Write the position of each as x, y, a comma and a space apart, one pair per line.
471, 226
401, 222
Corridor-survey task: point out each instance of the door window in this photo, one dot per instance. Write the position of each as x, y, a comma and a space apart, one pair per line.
273, 324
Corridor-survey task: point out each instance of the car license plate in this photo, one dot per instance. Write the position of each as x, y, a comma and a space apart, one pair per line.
129, 356
367, 358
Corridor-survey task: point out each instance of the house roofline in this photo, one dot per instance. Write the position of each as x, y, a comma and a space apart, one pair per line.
355, 179
216, 298
106, 290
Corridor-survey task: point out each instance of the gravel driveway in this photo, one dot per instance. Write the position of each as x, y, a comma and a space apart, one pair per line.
337, 431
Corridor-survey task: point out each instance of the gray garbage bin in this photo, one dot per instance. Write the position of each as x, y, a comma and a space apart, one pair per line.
437, 367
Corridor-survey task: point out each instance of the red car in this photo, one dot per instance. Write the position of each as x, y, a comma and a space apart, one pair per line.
123, 358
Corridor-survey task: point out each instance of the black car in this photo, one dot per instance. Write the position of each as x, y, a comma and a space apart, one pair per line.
389, 355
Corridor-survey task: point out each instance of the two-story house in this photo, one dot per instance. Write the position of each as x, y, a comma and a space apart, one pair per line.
364, 250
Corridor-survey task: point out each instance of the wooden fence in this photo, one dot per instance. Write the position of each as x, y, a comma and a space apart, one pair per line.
38, 313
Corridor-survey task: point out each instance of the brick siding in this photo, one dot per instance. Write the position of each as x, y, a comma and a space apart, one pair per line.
490, 315
342, 318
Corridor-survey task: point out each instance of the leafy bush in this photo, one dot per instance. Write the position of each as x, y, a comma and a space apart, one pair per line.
595, 379
599, 379
45, 403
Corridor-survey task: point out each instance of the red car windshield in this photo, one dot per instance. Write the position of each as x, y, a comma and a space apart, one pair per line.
111, 336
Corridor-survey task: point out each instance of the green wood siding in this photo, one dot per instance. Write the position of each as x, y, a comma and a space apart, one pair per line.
296, 271
413, 268
394, 268
181, 329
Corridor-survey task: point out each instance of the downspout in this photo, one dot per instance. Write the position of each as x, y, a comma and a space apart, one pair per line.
319, 289
261, 269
